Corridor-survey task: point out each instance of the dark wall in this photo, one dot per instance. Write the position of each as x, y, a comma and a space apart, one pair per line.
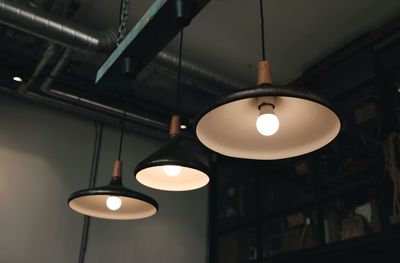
45, 155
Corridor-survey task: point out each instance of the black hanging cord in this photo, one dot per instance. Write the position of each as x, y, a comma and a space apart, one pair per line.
178, 84
262, 29
121, 139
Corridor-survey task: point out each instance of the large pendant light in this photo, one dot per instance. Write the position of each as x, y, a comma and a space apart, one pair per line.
173, 167
268, 122
113, 201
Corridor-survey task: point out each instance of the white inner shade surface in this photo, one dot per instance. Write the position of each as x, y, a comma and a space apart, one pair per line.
231, 130
95, 205
187, 179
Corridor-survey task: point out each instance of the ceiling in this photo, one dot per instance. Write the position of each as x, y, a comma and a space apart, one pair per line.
224, 38
225, 35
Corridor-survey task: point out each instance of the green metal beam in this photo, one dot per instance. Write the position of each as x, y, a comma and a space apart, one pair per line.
149, 36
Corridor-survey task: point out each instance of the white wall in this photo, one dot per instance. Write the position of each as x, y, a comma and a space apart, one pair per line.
45, 155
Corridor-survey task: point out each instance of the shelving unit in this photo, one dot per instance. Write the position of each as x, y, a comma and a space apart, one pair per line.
325, 201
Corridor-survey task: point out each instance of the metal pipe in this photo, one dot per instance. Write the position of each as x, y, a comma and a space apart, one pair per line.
58, 30
190, 69
61, 31
104, 108
75, 37
47, 56
45, 87
92, 182
97, 111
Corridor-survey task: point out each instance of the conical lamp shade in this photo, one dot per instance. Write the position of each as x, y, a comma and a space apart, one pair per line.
94, 201
307, 122
191, 173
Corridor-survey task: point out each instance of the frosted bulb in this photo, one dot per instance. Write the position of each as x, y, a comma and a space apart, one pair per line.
113, 203
172, 170
267, 124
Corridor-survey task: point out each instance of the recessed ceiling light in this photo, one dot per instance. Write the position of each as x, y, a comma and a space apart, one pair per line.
183, 126
17, 79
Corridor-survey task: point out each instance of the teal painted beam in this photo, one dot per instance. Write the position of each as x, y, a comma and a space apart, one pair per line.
150, 35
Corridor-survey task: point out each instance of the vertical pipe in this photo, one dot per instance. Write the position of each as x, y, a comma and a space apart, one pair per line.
92, 183
212, 210
46, 57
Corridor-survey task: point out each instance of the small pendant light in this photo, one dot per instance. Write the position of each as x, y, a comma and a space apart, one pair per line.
268, 122
113, 201
173, 168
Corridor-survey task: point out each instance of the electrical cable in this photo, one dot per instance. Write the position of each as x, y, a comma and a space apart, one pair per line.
178, 84
262, 29
121, 139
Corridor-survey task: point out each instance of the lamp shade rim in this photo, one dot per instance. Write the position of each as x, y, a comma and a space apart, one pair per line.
173, 153
307, 122
265, 90
193, 172
113, 190
147, 164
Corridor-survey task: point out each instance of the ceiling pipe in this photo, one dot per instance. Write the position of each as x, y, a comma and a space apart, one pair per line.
97, 111
59, 30
46, 57
45, 87
61, 63
195, 71
55, 30
37, 22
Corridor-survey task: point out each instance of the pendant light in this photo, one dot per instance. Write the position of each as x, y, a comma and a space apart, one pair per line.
113, 201
268, 122
173, 167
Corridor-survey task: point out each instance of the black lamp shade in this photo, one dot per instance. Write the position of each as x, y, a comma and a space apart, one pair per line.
150, 172
92, 202
307, 123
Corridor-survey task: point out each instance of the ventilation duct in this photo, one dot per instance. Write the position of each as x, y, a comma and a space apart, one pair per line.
61, 31
57, 30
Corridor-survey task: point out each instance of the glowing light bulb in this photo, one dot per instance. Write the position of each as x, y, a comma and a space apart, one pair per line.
172, 170
113, 203
267, 122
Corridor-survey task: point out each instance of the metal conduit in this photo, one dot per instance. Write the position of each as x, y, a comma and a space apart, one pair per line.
45, 87
47, 56
198, 72
58, 30
61, 31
